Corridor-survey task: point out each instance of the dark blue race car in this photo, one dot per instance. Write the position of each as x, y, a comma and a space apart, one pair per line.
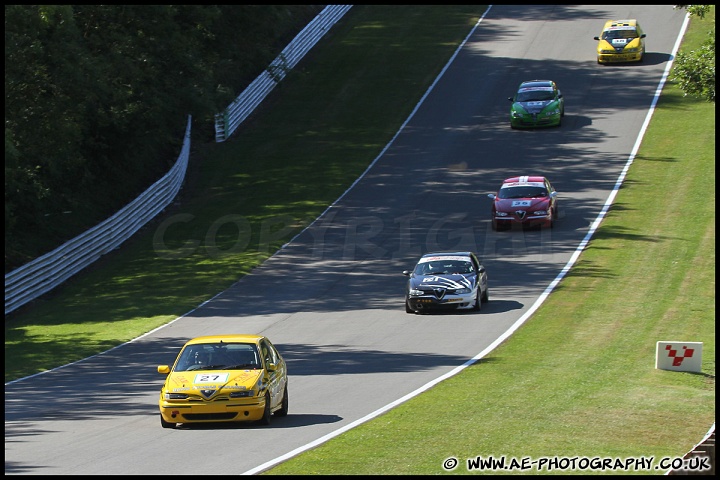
446, 281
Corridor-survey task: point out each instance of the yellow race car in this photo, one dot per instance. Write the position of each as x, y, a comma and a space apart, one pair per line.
224, 378
621, 41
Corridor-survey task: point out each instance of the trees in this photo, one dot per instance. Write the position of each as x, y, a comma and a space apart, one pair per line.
97, 99
694, 71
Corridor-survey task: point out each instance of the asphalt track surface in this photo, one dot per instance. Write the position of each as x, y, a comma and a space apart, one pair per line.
332, 299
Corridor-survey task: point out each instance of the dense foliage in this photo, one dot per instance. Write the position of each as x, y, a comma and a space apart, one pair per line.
97, 99
694, 71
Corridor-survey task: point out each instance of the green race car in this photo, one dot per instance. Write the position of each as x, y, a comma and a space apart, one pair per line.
537, 103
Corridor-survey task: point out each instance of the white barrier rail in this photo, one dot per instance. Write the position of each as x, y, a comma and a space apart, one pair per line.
50, 270
41, 275
228, 121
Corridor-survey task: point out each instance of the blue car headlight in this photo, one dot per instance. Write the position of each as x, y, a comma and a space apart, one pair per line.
462, 291
415, 292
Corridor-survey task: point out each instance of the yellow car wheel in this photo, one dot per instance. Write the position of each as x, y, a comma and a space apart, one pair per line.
285, 404
166, 424
267, 413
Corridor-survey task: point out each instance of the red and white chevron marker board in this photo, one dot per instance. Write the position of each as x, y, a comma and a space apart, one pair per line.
679, 356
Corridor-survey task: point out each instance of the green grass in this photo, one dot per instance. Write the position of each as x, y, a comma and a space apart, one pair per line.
578, 379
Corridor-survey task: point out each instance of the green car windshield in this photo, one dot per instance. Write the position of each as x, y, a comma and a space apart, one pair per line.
535, 96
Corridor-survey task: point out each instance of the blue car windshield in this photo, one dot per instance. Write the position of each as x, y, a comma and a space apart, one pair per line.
443, 268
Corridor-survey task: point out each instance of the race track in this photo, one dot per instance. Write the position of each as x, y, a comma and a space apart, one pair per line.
332, 299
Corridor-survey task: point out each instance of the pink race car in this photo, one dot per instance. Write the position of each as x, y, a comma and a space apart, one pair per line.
525, 202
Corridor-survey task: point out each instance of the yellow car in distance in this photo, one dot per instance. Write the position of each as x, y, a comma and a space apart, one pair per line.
224, 378
621, 41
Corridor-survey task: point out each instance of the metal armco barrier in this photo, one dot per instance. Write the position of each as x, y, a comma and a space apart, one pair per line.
228, 121
41, 275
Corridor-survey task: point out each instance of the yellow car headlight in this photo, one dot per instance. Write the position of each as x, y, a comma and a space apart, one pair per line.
175, 396
242, 394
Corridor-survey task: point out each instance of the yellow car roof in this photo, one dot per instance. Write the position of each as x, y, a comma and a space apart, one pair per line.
227, 338
630, 22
